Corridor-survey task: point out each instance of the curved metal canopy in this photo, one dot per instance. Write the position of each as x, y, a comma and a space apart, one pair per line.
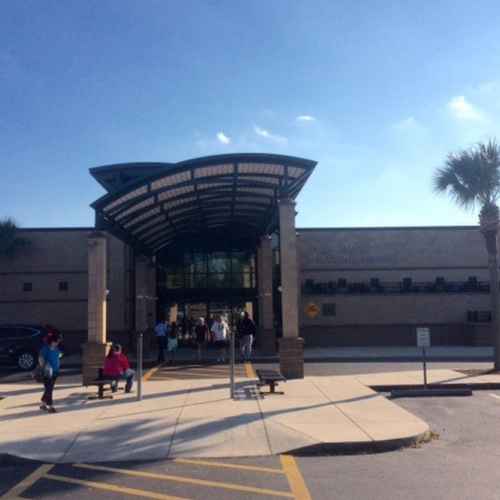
153, 205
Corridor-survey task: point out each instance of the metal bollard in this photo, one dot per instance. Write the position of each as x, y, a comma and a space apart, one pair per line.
231, 372
140, 337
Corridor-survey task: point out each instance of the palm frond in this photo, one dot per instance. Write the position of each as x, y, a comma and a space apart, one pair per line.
471, 176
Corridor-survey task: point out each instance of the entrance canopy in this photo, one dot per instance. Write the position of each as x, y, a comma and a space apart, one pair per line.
155, 205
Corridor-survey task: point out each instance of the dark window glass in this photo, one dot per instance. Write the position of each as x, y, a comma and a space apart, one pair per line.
219, 280
215, 269
26, 332
196, 281
7, 332
219, 262
329, 310
63, 286
175, 280
243, 280
27, 287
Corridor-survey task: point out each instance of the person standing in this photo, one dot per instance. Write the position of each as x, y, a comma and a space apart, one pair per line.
220, 332
246, 333
49, 361
172, 342
201, 336
161, 339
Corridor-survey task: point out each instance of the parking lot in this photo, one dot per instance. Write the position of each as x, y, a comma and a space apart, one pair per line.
459, 463
456, 464
275, 477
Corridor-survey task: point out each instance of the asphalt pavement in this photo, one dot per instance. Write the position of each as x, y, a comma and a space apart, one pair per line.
461, 463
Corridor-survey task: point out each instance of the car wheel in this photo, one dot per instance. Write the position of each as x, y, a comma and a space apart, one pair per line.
26, 361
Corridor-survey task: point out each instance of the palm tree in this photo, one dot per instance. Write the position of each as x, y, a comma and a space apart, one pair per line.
472, 177
10, 242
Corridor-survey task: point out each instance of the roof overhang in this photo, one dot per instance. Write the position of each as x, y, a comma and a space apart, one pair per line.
155, 205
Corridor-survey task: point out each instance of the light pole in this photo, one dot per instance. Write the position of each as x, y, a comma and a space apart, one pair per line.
142, 326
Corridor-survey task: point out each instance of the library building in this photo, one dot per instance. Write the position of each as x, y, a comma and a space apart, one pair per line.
217, 236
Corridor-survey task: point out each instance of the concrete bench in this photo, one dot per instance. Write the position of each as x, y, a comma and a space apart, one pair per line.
270, 378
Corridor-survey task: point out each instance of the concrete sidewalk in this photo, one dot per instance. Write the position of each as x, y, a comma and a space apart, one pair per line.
196, 418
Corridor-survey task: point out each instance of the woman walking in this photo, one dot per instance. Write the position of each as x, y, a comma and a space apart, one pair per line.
49, 361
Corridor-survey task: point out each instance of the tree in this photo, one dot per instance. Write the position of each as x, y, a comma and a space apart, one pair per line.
10, 241
472, 177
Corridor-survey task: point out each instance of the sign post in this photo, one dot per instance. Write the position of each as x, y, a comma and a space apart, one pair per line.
423, 341
140, 338
232, 363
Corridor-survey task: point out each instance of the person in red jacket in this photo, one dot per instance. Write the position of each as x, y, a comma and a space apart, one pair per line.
117, 366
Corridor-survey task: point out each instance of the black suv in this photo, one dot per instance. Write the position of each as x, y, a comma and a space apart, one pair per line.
21, 344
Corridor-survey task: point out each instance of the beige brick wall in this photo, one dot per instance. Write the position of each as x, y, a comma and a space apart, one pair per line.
390, 248
324, 255
390, 255
61, 255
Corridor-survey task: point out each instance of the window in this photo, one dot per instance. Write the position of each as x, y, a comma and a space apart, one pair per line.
63, 286
329, 309
27, 287
230, 269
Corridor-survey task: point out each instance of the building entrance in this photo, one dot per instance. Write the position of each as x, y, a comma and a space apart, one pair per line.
186, 314
206, 283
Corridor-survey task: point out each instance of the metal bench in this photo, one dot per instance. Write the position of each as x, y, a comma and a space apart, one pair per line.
101, 382
270, 378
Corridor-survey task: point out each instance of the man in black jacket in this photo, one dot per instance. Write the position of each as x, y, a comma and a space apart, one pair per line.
246, 333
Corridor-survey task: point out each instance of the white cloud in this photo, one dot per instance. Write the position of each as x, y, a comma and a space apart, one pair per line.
407, 123
490, 87
223, 138
262, 132
305, 118
464, 110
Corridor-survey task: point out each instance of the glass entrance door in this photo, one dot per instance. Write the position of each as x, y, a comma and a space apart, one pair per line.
186, 314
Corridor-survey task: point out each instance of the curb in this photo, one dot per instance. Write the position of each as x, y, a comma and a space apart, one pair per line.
430, 393
480, 386
12, 460
348, 448
356, 448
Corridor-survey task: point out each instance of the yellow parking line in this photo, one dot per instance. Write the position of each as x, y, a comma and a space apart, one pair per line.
151, 372
189, 480
113, 488
295, 479
27, 482
229, 466
250, 372
211, 373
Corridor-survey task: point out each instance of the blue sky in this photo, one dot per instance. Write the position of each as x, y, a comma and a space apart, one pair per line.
378, 92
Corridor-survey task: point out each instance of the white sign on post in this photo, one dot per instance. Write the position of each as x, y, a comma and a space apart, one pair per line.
423, 337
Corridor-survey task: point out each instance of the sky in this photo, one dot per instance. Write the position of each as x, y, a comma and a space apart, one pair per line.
378, 92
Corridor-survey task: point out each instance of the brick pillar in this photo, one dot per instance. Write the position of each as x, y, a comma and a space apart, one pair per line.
95, 349
266, 333
291, 345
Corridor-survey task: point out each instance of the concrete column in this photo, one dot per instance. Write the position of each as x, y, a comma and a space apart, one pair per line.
96, 347
291, 345
266, 333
